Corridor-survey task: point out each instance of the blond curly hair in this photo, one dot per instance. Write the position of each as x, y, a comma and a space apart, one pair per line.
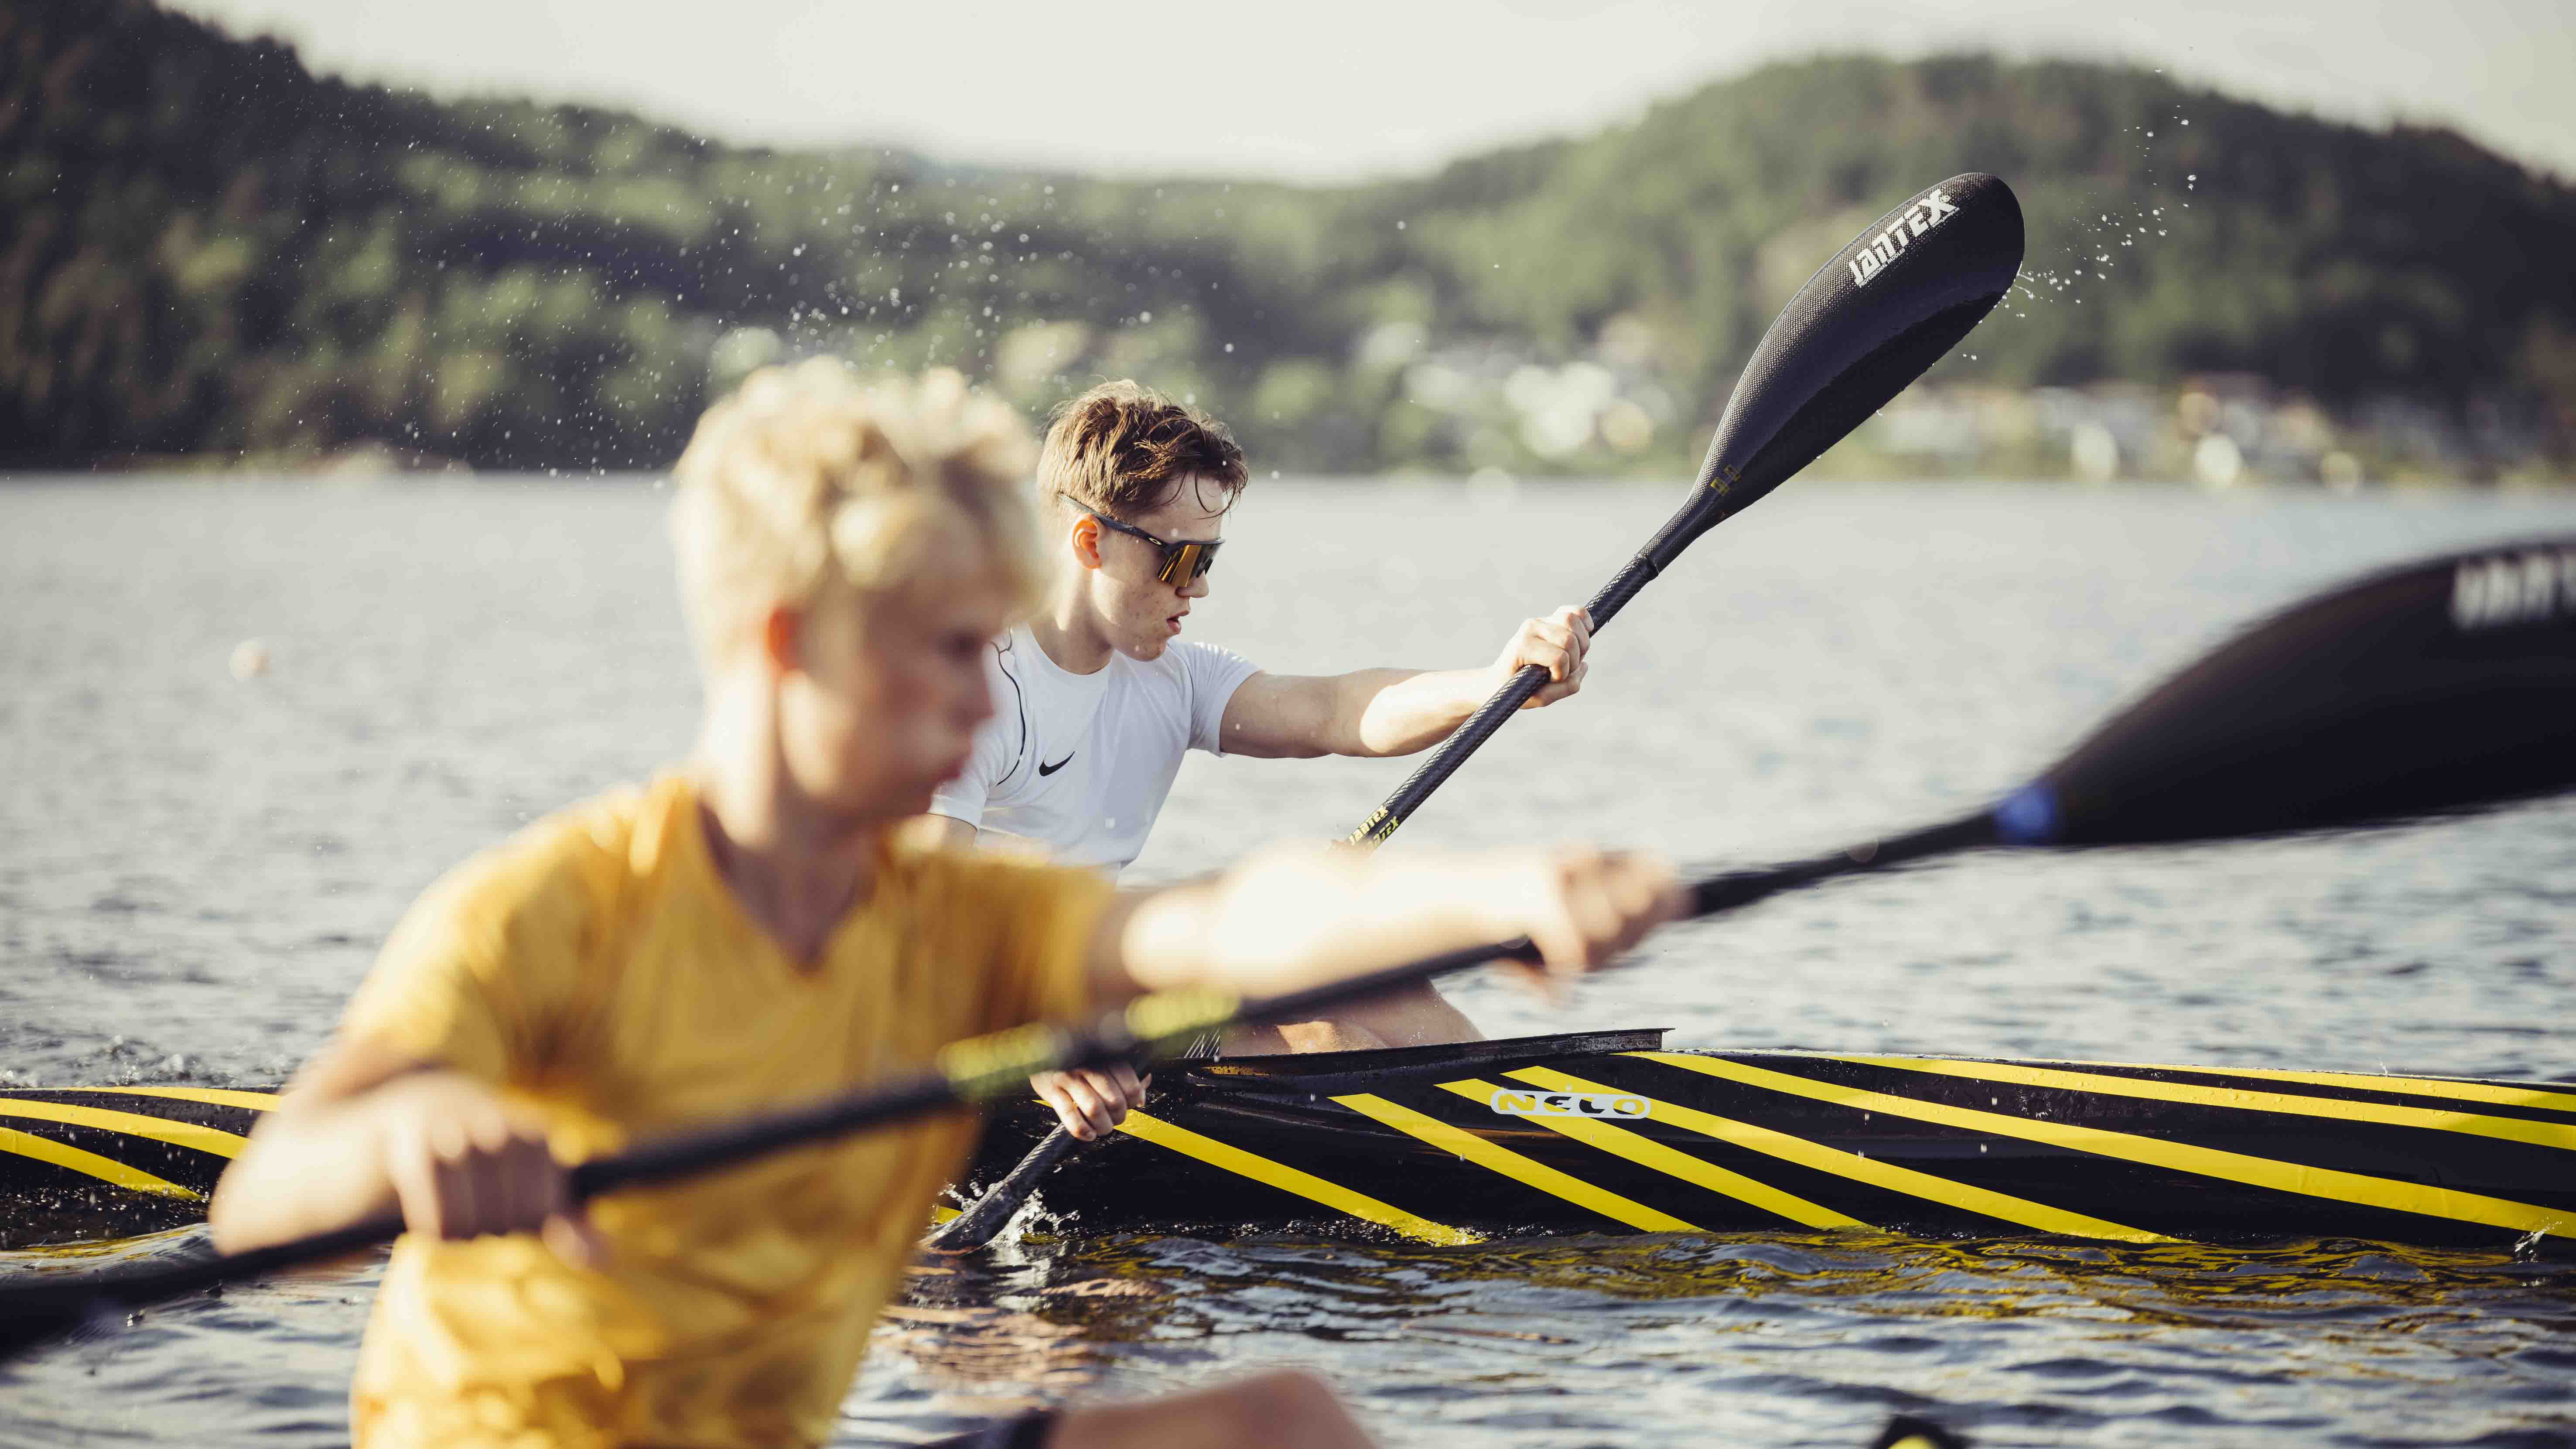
808, 479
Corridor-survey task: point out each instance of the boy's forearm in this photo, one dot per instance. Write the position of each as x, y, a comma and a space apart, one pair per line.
1396, 712
309, 1168
1400, 711
1300, 916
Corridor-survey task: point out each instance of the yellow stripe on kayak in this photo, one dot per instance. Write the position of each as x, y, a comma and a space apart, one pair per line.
2238, 1167
2476, 1124
1503, 1160
2461, 1090
106, 1169
212, 1096
131, 1124
1280, 1175
1986, 1201
1647, 1152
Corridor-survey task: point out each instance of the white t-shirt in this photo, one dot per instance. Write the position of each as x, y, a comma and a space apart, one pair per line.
1082, 762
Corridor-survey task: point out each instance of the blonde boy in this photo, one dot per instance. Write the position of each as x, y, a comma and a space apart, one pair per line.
748, 929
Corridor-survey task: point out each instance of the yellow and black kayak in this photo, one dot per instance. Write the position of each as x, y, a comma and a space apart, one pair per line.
1607, 1132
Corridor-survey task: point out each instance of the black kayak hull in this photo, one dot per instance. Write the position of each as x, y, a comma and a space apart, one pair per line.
1605, 1132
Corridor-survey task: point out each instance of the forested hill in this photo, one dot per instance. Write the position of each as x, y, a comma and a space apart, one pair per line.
205, 249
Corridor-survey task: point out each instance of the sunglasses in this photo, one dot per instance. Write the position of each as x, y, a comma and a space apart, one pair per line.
1183, 563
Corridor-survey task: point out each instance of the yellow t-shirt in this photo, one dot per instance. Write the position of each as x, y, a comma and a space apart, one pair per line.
598, 968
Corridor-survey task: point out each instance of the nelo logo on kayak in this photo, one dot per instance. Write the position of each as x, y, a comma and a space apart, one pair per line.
2523, 588
1615, 1106
1917, 219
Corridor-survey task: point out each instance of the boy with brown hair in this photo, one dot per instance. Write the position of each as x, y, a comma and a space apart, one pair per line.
1100, 697
754, 928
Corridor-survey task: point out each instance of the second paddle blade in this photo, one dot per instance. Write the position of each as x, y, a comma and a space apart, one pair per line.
2441, 685
1888, 305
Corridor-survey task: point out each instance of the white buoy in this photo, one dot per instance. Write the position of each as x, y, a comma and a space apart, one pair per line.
250, 659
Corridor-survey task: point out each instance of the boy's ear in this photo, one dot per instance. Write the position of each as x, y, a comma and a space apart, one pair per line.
778, 629
1086, 540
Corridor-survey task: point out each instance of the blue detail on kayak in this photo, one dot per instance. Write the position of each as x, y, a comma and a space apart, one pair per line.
2029, 816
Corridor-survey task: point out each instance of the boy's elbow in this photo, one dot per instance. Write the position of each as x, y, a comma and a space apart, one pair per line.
1350, 735
247, 1210
256, 1200
229, 1218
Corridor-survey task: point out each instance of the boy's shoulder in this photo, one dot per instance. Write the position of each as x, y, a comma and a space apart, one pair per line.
1186, 671
574, 857
915, 852
974, 879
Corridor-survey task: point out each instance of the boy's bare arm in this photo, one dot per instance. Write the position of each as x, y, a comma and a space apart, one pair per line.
1298, 916
1379, 712
1409, 1016
364, 1129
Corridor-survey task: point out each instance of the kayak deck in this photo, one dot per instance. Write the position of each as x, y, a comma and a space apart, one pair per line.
1605, 1132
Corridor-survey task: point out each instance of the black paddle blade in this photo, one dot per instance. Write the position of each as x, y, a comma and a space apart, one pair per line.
1886, 307
2439, 686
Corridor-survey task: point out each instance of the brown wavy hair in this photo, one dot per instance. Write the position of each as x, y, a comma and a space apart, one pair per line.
1123, 449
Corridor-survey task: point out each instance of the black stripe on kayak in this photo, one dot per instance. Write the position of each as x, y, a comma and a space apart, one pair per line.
1123, 1184
1342, 1145
185, 1167
2424, 1093
1126, 1183
1870, 1205
2401, 1152
221, 1116
1901, 1174
1936, 1172
43, 1204
2176, 1202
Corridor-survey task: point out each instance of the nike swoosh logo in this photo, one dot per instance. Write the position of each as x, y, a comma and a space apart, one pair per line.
1047, 769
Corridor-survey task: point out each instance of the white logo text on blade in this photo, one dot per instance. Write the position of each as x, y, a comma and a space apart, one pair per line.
1608, 1106
2513, 589
1932, 210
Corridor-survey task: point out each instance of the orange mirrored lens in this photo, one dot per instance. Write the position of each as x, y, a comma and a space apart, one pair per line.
1184, 563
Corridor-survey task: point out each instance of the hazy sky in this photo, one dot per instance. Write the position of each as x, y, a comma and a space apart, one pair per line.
1341, 88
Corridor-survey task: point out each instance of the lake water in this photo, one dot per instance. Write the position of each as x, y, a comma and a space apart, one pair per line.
194, 872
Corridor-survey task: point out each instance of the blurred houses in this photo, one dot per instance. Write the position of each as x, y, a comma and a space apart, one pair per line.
210, 255
2220, 430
